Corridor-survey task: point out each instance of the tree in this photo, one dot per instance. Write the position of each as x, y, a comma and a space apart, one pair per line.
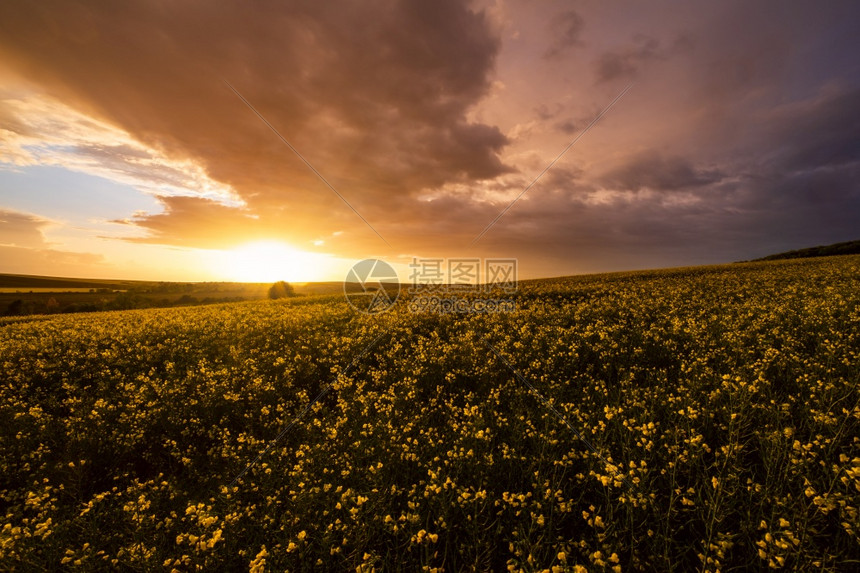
281, 289
15, 308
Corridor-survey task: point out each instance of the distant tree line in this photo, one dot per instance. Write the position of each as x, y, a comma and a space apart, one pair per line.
123, 301
165, 288
136, 297
847, 248
188, 288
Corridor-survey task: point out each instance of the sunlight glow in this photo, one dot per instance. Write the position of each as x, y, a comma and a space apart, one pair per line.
270, 261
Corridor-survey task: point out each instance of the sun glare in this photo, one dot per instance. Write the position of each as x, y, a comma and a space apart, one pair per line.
270, 261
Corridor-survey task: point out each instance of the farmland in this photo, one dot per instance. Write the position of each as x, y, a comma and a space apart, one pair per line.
721, 403
22, 295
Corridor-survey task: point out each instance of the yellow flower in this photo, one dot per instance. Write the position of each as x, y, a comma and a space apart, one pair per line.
258, 565
216, 537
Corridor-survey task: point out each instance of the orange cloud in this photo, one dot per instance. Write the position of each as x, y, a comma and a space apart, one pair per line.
376, 95
24, 250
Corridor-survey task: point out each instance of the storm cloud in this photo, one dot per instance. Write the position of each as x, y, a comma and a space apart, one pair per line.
374, 94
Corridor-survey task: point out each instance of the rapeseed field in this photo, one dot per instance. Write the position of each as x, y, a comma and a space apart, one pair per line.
714, 426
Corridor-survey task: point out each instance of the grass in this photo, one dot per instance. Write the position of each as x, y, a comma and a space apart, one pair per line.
726, 396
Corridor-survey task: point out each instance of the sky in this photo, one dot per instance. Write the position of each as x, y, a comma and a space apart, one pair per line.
138, 138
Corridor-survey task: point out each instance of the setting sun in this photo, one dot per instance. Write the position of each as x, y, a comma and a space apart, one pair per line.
269, 261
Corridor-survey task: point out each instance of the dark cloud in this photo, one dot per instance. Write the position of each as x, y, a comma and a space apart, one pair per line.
799, 167
544, 112
557, 114
822, 131
563, 178
565, 29
653, 171
626, 62
568, 126
375, 95
790, 178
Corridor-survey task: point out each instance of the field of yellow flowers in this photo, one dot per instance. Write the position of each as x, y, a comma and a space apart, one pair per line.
721, 403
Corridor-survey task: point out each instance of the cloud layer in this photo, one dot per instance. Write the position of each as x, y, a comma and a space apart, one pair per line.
375, 94
739, 137
24, 250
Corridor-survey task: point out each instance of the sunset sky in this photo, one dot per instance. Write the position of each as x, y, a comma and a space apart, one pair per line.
124, 153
